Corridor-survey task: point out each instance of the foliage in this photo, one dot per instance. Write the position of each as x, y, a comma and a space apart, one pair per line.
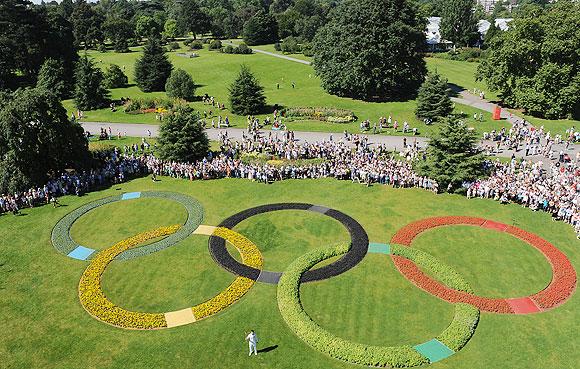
535, 64
180, 85
334, 115
288, 295
115, 77
215, 45
191, 18
196, 45
458, 23
389, 70
303, 19
433, 101
260, 29
119, 31
90, 93
290, 45
147, 26
37, 139
51, 77
144, 105
452, 155
87, 25
246, 94
240, 49
170, 29
181, 136
153, 68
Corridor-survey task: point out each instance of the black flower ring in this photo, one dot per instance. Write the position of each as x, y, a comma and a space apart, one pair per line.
357, 251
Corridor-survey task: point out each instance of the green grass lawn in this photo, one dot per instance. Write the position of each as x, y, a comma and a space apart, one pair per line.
214, 72
45, 326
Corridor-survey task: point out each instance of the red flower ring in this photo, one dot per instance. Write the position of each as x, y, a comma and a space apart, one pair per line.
557, 292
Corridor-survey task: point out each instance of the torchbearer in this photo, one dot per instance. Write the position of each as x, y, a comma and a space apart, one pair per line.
253, 342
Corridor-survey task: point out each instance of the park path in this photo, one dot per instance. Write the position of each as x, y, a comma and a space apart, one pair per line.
289, 58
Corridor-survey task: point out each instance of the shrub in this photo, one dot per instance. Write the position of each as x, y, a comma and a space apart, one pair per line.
290, 45
277, 46
215, 45
188, 42
307, 49
196, 45
114, 77
228, 49
180, 85
173, 46
243, 49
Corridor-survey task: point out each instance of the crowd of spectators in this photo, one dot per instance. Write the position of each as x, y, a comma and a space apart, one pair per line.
555, 189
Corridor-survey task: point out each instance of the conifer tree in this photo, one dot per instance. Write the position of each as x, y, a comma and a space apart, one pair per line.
246, 94
51, 78
153, 68
89, 92
181, 136
433, 101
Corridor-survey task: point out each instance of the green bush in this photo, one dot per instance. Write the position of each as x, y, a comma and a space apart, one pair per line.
180, 85
243, 49
290, 45
215, 45
114, 77
173, 46
140, 106
196, 45
228, 49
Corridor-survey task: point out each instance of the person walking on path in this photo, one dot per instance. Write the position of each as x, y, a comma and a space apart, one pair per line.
253, 342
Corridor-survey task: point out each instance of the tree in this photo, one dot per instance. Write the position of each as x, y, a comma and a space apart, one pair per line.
452, 156
170, 30
180, 85
52, 78
115, 78
191, 18
147, 26
87, 24
153, 68
261, 29
246, 94
182, 137
119, 31
371, 50
90, 93
458, 23
492, 32
433, 101
535, 64
37, 139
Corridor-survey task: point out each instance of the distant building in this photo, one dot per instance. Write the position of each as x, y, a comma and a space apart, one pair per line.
436, 43
489, 5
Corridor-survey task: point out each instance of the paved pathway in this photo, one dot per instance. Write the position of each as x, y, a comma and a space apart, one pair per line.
274, 54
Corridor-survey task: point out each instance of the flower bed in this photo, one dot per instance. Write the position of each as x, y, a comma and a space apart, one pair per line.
288, 295
63, 242
96, 303
149, 105
559, 290
332, 115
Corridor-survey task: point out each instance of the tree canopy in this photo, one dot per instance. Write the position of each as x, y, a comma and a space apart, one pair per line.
36, 139
535, 64
180, 85
90, 92
182, 137
261, 29
458, 22
371, 50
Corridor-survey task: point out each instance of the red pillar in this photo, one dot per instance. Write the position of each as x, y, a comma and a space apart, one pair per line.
496, 113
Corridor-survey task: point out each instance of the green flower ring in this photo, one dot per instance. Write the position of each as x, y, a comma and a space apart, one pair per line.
451, 340
63, 242
100, 307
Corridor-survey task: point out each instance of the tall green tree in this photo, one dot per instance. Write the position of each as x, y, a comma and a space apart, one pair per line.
261, 29
147, 26
153, 68
182, 137
119, 31
90, 92
535, 64
246, 94
458, 23
452, 156
51, 77
87, 24
371, 50
180, 85
37, 139
115, 77
433, 101
192, 18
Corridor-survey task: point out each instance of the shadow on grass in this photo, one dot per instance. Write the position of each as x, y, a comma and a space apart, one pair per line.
268, 349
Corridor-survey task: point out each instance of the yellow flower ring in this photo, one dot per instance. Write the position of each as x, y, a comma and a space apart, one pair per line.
96, 303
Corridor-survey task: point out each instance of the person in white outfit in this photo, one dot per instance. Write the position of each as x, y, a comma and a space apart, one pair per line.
253, 342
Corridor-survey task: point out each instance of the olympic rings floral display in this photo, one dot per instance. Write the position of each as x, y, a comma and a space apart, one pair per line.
419, 267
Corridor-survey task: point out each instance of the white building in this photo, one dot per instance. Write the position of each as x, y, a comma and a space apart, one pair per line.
433, 36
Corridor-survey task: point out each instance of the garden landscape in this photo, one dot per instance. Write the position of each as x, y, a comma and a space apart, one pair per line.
289, 184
